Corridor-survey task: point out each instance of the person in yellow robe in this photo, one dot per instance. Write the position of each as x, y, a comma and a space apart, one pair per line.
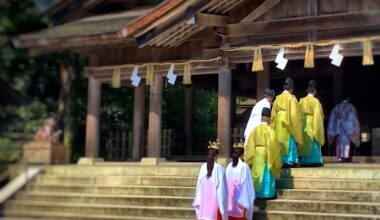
287, 122
263, 155
313, 129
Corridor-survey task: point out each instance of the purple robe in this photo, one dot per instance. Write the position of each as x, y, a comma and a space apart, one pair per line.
344, 125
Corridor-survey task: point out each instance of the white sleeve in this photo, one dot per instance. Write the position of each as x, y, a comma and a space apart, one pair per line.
247, 194
266, 104
222, 193
197, 198
249, 126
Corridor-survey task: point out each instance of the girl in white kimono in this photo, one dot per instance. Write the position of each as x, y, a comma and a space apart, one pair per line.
241, 194
210, 200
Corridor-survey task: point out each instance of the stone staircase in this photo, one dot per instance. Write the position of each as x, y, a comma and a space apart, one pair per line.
348, 191
165, 191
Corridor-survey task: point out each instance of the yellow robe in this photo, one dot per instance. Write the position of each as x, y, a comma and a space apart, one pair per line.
312, 124
287, 119
264, 139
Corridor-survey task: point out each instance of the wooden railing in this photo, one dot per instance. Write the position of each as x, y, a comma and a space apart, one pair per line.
119, 143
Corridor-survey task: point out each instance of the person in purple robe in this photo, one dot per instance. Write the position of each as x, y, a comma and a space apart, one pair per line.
344, 126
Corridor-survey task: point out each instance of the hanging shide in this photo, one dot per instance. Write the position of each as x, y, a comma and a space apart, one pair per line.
309, 56
116, 78
367, 53
257, 63
187, 74
150, 75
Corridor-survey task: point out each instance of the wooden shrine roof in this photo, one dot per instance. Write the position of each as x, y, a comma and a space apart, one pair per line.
88, 26
97, 28
182, 30
167, 25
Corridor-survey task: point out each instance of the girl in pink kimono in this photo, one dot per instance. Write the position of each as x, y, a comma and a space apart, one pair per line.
241, 194
210, 200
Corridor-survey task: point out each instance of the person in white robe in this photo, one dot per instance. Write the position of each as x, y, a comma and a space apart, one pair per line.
210, 200
241, 193
255, 117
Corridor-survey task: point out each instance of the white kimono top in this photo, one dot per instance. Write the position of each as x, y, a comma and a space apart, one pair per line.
211, 194
255, 118
241, 192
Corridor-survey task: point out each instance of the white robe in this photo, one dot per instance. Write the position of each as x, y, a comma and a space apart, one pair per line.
211, 194
255, 118
241, 192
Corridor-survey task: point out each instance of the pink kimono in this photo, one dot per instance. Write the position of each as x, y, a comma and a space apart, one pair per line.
241, 193
210, 200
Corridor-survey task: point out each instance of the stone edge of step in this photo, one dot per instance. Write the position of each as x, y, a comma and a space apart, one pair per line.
80, 215
63, 204
310, 214
98, 195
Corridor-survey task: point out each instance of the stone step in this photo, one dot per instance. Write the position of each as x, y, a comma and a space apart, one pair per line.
47, 215
297, 215
119, 180
102, 209
333, 184
126, 169
333, 172
134, 200
311, 194
114, 190
369, 208
329, 195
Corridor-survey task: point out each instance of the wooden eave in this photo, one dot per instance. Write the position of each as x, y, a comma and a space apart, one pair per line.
151, 17
104, 73
38, 40
173, 34
235, 57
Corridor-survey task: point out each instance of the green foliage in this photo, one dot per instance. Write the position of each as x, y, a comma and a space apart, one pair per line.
117, 108
206, 113
25, 118
173, 108
10, 150
35, 78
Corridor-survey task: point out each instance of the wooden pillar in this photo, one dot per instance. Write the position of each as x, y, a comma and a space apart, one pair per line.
92, 121
233, 110
224, 111
155, 118
189, 118
263, 81
138, 120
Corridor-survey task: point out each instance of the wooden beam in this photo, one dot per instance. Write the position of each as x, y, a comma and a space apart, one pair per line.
138, 120
93, 119
348, 50
155, 118
304, 24
210, 20
324, 35
151, 17
259, 11
224, 111
96, 71
125, 78
312, 10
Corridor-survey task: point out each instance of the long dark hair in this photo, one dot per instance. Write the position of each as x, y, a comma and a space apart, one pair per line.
212, 153
236, 155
